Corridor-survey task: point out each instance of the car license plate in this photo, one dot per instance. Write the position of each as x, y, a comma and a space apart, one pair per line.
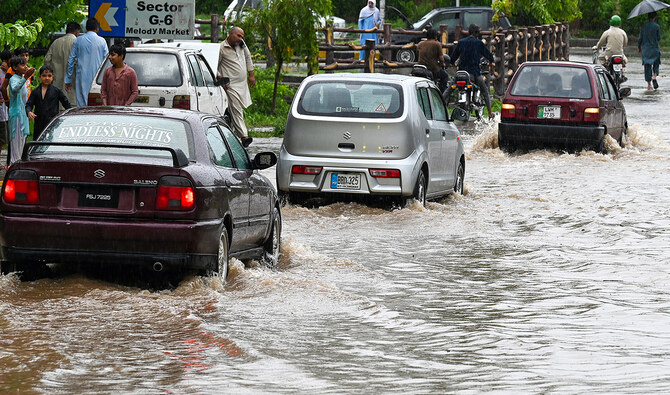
549, 112
99, 197
141, 99
617, 67
345, 181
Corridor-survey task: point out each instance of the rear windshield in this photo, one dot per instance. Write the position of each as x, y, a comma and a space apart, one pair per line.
552, 81
152, 69
351, 99
115, 129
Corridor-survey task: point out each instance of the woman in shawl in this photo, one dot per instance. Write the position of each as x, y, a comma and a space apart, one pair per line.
647, 45
368, 18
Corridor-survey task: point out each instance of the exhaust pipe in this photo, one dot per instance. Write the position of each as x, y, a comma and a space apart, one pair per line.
158, 266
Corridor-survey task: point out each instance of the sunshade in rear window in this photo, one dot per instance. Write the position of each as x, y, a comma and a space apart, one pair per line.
152, 69
115, 129
351, 99
552, 81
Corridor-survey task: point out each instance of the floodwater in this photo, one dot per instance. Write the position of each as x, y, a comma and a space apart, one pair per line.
550, 275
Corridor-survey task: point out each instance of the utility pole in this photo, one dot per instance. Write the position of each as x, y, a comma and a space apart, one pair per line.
382, 10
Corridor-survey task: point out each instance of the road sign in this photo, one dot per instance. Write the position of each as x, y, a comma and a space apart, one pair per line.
167, 19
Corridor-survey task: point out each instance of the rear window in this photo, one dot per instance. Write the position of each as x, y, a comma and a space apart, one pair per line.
552, 81
115, 129
351, 99
152, 69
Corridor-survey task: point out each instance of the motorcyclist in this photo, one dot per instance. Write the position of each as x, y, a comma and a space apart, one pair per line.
468, 52
614, 40
430, 55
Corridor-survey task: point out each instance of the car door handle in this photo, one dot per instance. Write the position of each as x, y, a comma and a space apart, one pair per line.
444, 133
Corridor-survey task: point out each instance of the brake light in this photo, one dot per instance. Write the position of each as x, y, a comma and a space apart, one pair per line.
22, 187
94, 99
181, 101
617, 59
460, 84
299, 169
175, 193
592, 114
508, 111
385, 173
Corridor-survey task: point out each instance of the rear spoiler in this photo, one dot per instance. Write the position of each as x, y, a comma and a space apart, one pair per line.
179, 159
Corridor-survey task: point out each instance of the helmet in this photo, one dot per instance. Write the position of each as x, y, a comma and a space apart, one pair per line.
615, 20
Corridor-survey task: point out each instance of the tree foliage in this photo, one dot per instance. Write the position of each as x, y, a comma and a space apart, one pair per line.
20, 34
530, 12
289, 26
54, 14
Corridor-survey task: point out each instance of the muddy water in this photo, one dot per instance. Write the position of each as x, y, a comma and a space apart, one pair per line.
549, 275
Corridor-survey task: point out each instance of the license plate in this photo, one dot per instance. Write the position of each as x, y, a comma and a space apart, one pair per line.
345, 181
99, 197
549, 112
617, 67
141, 99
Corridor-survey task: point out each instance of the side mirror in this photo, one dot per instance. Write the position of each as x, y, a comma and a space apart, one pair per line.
263, 160
624, 92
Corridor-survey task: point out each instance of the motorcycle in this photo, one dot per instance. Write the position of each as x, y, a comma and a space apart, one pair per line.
615, 67
468, 93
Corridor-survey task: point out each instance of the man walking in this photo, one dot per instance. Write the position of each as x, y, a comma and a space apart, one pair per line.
235, 67
88, 52
57, 57
647, 45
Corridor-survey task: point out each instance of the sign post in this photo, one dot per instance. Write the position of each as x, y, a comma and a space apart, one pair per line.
165, 19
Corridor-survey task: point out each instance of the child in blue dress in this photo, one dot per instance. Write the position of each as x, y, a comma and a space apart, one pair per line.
18, 96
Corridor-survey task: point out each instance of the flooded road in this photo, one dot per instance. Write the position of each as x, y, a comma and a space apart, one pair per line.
550, 275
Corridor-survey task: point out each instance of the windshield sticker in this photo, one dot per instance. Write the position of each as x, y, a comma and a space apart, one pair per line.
113, 133
381, 108
346, 109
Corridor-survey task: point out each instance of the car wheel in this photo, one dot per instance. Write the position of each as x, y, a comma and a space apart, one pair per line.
505, 146
460, 178
420, 189
284, 198
405, 55
600, 146
272, 248
222, 256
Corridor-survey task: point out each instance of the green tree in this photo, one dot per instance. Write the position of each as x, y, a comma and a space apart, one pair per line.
528, 12
20, 34
54, 14
289, 26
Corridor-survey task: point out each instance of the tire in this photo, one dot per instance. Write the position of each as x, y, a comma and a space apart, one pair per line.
505, 146
272, 247
222, 256
405, 55
284, 198
460, 178
600, 146
420, 189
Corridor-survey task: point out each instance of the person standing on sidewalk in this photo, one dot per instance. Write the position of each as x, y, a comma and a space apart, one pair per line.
234, 68
88, 52
647, 45
57, 57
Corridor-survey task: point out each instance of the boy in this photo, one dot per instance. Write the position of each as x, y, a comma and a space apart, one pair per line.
119, 82
23, 52
45, 99
5, 56
18, 96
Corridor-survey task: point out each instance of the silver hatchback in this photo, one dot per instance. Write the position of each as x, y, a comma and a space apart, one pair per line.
370, 135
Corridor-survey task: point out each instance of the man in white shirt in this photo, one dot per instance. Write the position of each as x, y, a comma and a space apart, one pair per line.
237, 71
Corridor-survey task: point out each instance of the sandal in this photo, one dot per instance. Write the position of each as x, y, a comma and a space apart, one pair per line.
653, 82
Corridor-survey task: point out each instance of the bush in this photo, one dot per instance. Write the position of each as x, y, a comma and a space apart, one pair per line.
258, 114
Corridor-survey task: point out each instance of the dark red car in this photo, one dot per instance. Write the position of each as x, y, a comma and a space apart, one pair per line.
564, 105
163, 188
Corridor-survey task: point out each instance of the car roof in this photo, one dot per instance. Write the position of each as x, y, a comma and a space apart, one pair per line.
209, 50
376, 77
566, 63
164, 112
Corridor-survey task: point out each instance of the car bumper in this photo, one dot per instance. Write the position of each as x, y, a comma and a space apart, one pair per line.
321, 183
555, 135
187, 244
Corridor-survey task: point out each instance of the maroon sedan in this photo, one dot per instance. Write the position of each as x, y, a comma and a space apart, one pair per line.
564, 105
162, 188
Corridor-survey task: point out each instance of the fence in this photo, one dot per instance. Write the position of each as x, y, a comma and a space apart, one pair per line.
510, 48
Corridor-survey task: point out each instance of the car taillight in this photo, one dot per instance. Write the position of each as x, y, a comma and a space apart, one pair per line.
314, 170
508, 111
181, 101
460, 84
617, 59
22, 187
384, 173
592, 114
175, 193
94, 99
